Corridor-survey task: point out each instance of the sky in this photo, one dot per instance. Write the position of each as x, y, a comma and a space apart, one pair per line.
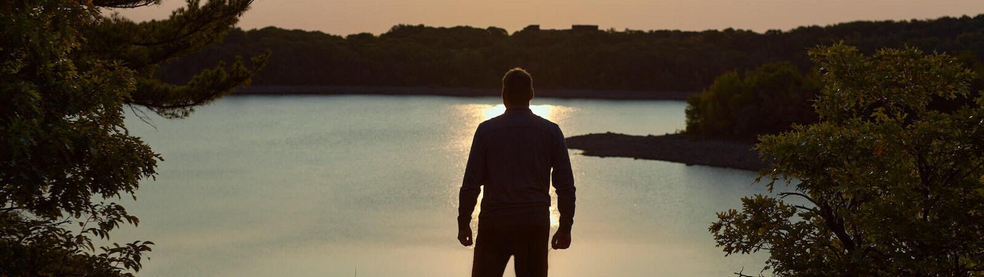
343, 17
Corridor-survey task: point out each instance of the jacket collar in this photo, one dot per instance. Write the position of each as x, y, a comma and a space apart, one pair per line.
518, 109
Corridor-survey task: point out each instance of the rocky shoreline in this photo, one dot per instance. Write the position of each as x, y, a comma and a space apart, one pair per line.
673, 148
460, 92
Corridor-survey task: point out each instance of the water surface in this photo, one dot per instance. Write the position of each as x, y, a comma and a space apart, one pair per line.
367, 185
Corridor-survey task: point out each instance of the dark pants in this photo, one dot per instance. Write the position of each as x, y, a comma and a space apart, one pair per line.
525, 237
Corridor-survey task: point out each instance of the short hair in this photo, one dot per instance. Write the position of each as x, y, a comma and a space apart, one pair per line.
517, 85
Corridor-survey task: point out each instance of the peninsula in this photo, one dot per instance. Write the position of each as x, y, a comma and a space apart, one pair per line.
674, 148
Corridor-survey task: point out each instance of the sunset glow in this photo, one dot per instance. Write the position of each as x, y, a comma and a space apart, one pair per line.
344, 17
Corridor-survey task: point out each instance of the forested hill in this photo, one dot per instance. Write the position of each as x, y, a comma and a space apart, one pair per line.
665, 60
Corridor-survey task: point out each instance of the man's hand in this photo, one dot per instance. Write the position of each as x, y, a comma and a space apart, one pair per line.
561, 240
465, 236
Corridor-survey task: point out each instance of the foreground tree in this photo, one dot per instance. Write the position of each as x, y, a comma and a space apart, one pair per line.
67, 73
883, 185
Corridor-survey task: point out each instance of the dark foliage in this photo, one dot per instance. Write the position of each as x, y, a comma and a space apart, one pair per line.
766, 100
663, 60
67, 74
883, 184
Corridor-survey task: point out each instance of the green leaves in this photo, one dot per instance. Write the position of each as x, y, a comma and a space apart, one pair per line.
766, 219
174, 101
891, 84
891, 186
144, 46
66, 75
766, 100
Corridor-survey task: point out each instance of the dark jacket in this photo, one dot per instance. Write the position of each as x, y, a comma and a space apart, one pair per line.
512, 156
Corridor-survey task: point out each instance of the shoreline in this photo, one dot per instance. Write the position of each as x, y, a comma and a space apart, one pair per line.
673, 148
460, 92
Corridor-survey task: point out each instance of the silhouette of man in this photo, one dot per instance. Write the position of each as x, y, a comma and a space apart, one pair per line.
512, 156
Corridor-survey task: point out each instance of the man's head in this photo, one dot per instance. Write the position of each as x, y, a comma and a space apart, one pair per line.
517, 88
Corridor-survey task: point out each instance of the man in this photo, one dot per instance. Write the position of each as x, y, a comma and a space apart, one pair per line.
512, 156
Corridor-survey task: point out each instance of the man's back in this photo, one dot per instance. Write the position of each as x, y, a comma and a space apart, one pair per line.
512, 156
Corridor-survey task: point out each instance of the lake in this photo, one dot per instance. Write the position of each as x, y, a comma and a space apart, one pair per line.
368, 186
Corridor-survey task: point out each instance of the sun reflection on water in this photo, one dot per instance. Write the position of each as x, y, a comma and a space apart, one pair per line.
544, 111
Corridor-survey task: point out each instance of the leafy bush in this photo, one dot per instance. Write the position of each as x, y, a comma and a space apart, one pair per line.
766, 100
883, 184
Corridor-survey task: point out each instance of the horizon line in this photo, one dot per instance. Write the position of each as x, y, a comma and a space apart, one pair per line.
629, 29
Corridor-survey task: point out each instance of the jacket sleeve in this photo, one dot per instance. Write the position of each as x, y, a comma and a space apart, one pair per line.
473, 180
563, 181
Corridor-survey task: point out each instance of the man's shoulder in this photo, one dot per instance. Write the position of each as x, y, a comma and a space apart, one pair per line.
534, 121
550, 124
487, 124
492, 123
547, 124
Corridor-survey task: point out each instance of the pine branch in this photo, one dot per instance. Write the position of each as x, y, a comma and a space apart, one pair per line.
123, 4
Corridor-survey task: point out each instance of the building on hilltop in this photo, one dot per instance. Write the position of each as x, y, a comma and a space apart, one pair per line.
584, 28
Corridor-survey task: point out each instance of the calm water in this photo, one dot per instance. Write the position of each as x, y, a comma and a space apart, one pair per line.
331, 186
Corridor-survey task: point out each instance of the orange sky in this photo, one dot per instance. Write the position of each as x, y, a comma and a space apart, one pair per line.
375, 16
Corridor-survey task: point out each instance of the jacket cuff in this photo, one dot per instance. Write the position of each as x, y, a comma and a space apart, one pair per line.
464, 222
566, 225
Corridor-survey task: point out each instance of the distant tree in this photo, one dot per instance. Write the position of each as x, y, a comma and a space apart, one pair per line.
656, 61
67, 73
767, 100
883, 185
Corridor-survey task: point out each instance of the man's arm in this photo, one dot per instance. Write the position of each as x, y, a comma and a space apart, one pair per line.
470, 188
563, 182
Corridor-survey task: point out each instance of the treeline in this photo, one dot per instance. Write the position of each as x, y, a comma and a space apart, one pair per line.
662, 60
